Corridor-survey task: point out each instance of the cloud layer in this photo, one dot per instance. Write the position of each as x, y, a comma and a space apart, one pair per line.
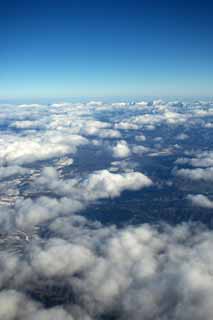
63, 164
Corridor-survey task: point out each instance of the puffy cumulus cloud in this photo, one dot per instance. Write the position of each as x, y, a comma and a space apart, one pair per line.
49, 179
142, 275
76, 187
99, 129
203, 112
123, 165
60, 258
11, 266
163, 114
63, 162
5, 215
208, 125
121, 149
104, 184
140, 138
95, 103
29, 151
158, 112
147, 119
17, 306
30, 213
172, 117
109, 134
14, 305
69, 196
126, 126
99, 184
182, 136
142, 104
196, 174
140, 150
32, 148
140, 272
30, 106
6, 172
182, 160
204, 159
200, 159
120, 104
200, 200
96, 124
28, 124
158, 103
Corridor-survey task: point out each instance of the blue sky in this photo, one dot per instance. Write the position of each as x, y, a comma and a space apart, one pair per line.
105, 48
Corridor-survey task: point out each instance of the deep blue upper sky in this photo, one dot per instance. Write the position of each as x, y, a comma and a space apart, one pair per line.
71, 48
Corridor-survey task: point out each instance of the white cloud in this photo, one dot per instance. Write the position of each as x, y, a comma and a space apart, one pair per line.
133, 272
14, 305
196, 174
203, 113
142, 104
143, 274
27, 124
104, 184
126, 126
6, 172
30, 213
120, 104
200, 200
121, 150
99, 129
140, 150
95, 103
200, 159
28, 149
60, 258
208, 125
182, 136
140, 272
140, 138
73, 194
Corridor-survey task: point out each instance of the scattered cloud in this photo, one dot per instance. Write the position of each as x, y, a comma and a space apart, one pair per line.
121, 150
196, 174
200, 200
59, 160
